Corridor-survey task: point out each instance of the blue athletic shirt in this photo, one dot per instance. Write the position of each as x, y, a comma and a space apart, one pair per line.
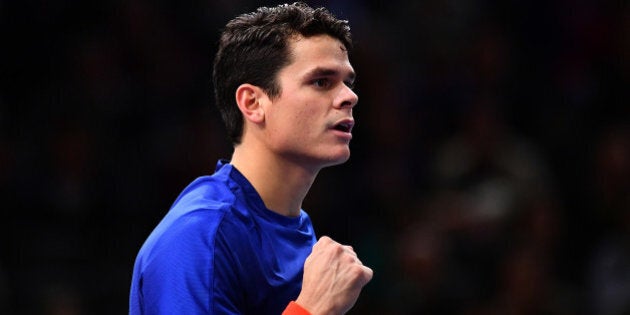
219, 250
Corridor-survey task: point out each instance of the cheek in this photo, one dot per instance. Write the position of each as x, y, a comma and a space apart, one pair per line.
307, 119
298, 118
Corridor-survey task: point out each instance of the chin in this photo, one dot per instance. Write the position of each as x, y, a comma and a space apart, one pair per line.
338, 159
318, 158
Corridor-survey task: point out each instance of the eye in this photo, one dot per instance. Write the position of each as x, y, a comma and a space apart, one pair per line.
321, 83
349, 84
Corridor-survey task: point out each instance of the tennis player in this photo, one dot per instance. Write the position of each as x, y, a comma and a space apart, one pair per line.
238, 241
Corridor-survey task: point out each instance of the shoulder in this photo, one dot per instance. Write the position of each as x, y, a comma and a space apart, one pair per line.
191, 225
194, 222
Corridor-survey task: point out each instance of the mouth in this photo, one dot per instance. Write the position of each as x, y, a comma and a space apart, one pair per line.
344, 126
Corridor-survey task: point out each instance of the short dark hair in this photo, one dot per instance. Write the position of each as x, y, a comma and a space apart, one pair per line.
254, 47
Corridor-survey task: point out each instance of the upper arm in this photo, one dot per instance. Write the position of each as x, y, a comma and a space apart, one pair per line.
187, 271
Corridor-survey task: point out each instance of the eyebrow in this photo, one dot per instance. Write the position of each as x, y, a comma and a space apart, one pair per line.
320, 71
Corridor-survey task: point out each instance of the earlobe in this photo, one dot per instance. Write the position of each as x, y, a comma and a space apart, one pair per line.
248, 99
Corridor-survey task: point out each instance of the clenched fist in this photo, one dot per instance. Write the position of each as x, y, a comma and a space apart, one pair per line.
333, 278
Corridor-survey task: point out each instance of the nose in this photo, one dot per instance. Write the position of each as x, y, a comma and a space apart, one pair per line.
347, 97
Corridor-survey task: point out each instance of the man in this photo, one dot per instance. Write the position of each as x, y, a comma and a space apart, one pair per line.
238, 242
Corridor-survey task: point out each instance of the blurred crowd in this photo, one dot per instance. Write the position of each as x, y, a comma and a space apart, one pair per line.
490, 168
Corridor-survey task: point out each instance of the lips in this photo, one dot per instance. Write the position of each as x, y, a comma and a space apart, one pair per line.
344, 125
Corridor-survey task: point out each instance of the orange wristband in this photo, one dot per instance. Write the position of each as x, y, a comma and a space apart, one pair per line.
295, 309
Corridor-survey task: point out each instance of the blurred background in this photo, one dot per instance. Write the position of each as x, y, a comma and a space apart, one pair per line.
491, 161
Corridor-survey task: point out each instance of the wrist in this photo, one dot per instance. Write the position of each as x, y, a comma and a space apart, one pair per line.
315, 306
295, 309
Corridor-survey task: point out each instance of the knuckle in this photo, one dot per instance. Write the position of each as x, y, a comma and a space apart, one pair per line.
325, 239
350, 259
337, 249
357, 273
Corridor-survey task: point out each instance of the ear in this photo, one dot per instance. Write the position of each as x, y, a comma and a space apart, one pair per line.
249, 99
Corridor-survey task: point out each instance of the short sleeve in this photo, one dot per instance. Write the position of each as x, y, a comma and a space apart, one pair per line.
187, 273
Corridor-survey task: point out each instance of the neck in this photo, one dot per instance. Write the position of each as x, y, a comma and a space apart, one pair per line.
281, 183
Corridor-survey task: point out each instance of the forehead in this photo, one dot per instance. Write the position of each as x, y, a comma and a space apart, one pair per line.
319, 51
